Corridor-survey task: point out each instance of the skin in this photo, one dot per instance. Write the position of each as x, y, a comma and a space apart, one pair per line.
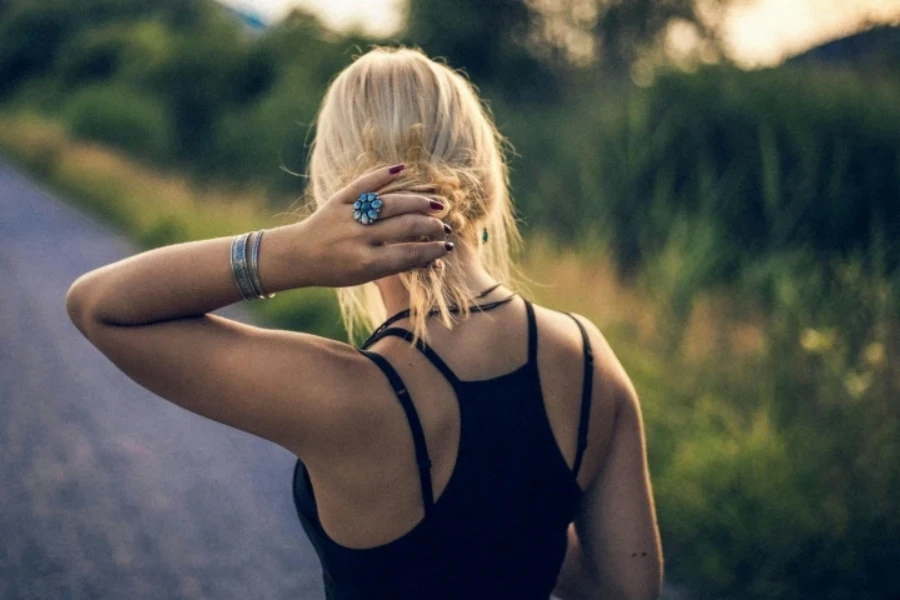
150, 315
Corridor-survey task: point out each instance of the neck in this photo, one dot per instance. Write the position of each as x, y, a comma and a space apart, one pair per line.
476, 279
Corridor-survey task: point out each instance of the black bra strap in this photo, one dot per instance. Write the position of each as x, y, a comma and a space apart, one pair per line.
587, 386
425, 349
422, 459
454, 309
532, 333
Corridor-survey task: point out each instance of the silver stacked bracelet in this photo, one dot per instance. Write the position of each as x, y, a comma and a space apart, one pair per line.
245, 265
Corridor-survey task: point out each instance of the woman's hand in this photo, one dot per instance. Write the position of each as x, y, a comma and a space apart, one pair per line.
340, 251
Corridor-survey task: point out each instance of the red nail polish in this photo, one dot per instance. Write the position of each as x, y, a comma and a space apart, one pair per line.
447, 229
448, 246
396, 169
436, 205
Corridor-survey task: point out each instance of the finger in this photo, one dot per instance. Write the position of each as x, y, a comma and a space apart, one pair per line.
368, 183
394, 258
398, 204
403, 227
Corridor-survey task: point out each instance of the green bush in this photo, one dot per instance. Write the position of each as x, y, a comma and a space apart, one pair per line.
766, 162
262, 140
120, 117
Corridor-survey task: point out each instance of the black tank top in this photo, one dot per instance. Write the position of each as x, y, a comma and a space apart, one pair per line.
499, 528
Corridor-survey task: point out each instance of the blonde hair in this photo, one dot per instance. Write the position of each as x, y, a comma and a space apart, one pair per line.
396, 105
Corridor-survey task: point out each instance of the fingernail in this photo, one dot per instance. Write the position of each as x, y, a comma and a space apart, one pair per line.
448, 246
396, 169
436, 205
447, 229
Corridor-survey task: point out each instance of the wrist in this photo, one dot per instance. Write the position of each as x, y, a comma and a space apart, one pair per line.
284, 263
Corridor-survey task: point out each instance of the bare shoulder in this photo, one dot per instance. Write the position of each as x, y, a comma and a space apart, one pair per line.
321, 380
611, 389
608, 366
365, 407
316, 391
611, 384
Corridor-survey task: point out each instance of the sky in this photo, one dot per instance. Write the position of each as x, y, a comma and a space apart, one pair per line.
758, 32
379, 17
764, 32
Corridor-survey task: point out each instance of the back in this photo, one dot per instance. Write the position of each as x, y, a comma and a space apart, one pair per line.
465, 467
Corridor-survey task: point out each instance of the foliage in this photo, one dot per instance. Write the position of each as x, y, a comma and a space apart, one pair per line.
768, 161
121, 117
489, 39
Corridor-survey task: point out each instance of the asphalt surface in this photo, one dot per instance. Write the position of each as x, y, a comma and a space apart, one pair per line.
106, 490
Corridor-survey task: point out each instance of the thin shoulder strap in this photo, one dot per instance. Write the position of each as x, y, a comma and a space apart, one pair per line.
424, 348
586, 388
422, 459
532, 333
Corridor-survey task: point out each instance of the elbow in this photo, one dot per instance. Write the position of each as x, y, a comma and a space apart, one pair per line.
77, 305
636, 586
649, 587
591, 587
653, 590
649, 584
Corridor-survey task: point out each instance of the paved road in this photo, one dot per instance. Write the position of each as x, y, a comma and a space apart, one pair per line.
107, 491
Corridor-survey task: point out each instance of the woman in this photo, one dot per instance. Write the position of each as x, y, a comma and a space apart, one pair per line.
476, 445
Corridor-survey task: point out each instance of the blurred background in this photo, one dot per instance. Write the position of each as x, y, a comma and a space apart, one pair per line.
716, 183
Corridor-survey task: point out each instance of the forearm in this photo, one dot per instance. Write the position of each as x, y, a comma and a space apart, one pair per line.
329, 248
186, 279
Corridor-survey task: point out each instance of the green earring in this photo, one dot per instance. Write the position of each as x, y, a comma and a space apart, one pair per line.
484, 235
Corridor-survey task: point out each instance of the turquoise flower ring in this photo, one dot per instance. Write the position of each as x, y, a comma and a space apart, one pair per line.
367, 208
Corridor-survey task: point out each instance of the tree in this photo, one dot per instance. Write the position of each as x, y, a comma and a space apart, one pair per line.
626, 29
532, 47
490, 40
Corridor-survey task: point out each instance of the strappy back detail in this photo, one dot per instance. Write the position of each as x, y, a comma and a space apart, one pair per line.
454, 309
441, 365
424, 348
532, 333
510, 481
422, 458
456, 382
586, 388
415, 425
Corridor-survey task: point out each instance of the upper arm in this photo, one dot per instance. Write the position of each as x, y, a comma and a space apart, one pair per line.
284, 386
616, 520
